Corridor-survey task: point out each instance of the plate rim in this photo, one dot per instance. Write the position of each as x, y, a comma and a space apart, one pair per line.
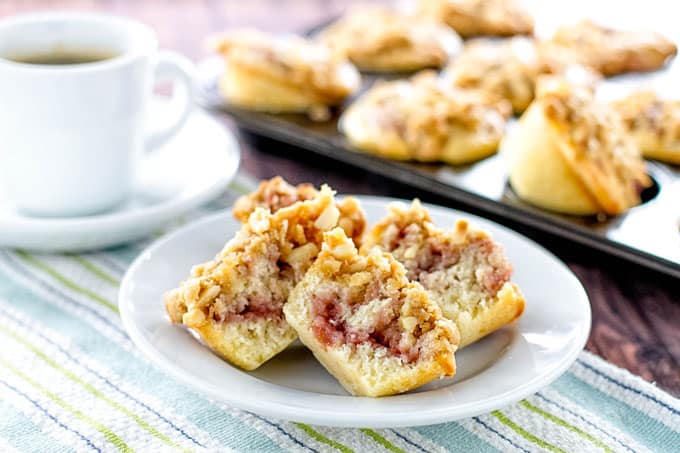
322, 418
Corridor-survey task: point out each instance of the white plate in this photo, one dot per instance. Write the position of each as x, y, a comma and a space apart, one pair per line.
191, 169
503, 368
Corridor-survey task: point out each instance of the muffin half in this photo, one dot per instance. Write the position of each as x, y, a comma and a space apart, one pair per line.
462, 269
235, 302
372, 329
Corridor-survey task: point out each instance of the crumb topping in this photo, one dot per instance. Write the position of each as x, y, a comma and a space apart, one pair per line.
607, 50
481, 17
290, 59
373, 31
507, 69
253, 275
463, 265
276, 193
424, 112
597, 135
645, 111
367, 299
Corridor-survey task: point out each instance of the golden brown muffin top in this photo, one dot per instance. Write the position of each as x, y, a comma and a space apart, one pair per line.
507, 68
480, 17
371, 31
599, 149
646, 111
289, 59
424, 111
607, 50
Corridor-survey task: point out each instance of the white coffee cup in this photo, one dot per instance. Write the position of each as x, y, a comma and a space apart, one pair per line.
71, 135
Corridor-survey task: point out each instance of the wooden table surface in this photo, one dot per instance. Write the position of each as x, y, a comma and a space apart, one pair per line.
636, 313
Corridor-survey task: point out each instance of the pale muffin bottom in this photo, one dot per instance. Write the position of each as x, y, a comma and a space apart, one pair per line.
538, 171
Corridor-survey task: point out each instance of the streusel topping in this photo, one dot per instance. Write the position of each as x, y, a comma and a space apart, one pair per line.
290, 59
603, 153
424, 112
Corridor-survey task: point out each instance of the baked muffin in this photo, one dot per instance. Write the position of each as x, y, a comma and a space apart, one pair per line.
382, 40
654, 123
425, 120
276, 193
607, 50
462, 269
372, 329
234, 302
506, 68
280, 74
571, 154
480, 17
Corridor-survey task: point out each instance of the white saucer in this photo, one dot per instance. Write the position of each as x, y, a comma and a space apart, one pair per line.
503, 368
191, 169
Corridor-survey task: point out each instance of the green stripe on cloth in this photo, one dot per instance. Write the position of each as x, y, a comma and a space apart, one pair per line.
525, 434
650, 432
381, 440
108, 434
94, 270
314, 434
558, 421
230, 431
69, 374
33, 261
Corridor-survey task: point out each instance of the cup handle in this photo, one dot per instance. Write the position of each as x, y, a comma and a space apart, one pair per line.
173, 66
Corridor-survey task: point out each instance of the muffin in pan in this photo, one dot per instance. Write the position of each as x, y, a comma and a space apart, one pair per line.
383, 40
654, 123
462, 269
607, 50
480, 17
276, 193
282, 74
372, 329
423, 119
235, 302
571, 154
507, 68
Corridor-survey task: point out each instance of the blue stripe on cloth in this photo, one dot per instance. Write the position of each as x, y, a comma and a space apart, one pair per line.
228, 430
54, 289
453, 434
408, 441
584, 420
499, 434
284, 432
38, 333
629, 388
24, 435
650, 432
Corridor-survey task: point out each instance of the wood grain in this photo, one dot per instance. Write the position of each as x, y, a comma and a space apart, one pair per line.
636, 313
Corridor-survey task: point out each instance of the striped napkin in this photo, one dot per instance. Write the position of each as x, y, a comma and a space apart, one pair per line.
71, 380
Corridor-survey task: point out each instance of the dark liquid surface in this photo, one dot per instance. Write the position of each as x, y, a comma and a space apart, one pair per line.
64, 57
